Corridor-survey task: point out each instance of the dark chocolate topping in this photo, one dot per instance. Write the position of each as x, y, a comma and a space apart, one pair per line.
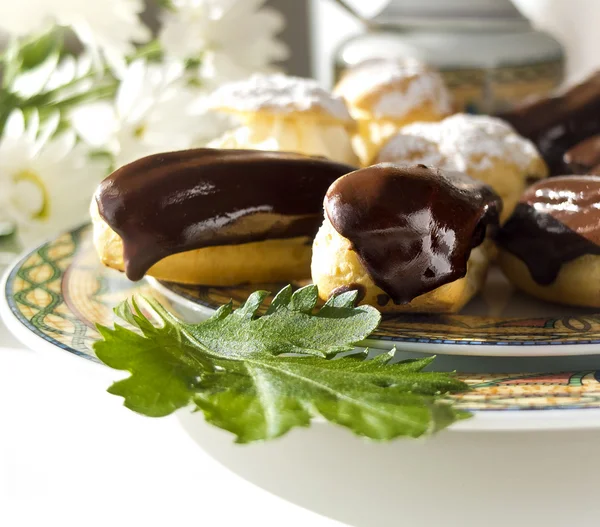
584, 157
572, 200
558, 123
557, 220
413, 228
179, 201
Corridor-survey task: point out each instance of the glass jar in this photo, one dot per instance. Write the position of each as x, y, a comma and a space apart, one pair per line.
489, 54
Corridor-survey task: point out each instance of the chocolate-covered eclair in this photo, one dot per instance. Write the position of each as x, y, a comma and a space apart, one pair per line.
556, 124
169, 215
410, 237
550, 247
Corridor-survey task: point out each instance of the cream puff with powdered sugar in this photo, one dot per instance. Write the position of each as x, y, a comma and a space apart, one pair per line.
486, 148
384, 95
286, 114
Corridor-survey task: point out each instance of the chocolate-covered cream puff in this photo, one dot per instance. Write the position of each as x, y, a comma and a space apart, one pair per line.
486, 148
584, 157
557, 124
286, 114
550, 246
213, 217
407, 238
384, 94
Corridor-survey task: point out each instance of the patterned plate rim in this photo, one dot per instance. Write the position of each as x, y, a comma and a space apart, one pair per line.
450, 347
526, 348
446, 346
8, 307
490, 420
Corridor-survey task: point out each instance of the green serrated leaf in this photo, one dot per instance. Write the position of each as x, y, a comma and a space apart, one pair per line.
289, 329
123, 311
346, 299
281, 300
237, 369
304, 299
250, 307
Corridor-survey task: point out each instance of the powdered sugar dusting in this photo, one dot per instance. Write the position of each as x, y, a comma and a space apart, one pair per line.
413, 149
279, 93
462, 141
422, 85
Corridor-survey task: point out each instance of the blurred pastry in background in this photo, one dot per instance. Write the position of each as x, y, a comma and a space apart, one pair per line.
485, 148
408, 239
213, 217
558, 124
550, 246
584, 157
286, 114
383, 95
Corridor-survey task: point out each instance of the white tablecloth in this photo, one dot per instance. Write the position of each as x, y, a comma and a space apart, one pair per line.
71, 455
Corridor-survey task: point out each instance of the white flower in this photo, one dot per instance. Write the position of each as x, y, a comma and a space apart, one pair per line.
107, 26
154, 111
23, 17
46, 182
233, 38
71, 74
69, 70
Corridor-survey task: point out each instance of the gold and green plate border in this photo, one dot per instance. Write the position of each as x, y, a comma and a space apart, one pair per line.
58, 292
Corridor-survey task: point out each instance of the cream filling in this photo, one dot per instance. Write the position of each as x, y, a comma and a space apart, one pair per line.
373, 134
303, 136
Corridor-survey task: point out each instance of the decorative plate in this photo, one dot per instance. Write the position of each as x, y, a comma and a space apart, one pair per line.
499, 322
54, 296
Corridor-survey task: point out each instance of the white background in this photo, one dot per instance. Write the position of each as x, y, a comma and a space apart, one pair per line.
574, 22
71, 455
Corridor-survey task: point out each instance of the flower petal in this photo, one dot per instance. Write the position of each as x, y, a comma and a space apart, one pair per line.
15, 125
96, 123
33, 81
131, 86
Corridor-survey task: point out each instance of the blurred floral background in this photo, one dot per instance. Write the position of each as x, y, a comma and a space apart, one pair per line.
88, 86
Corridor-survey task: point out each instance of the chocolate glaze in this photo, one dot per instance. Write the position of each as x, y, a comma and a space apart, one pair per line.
557, 220
556, 124
413, 228
179, 201
383, 300
584, 157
